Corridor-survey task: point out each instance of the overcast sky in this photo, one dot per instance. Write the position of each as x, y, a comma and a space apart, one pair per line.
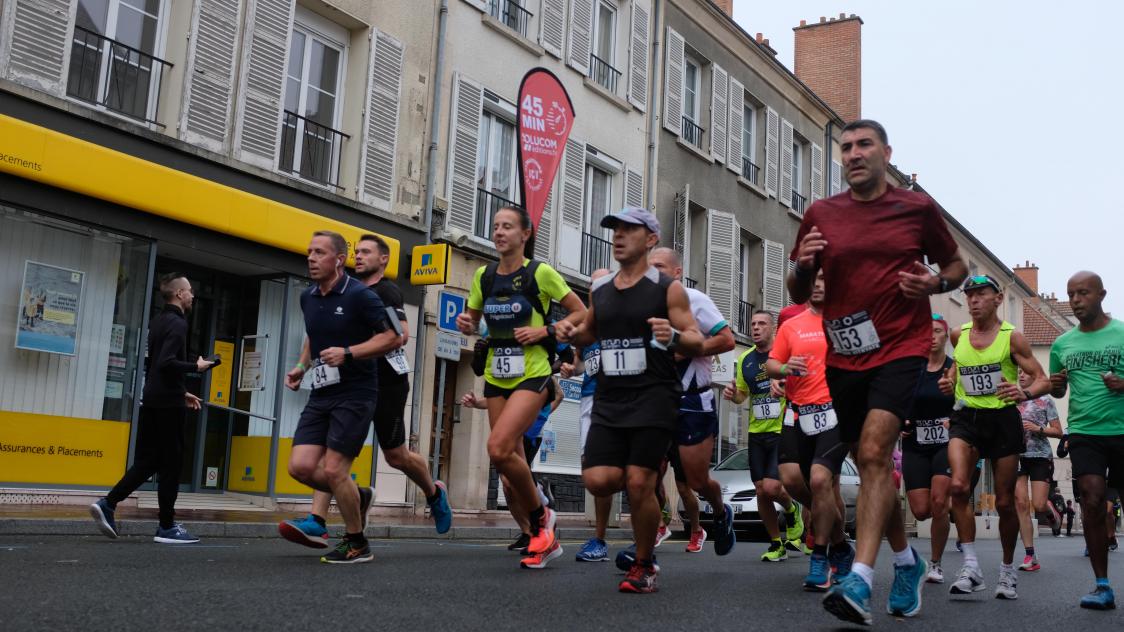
1009, 112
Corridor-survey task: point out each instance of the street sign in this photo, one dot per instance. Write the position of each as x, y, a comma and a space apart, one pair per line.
722, 368
448, 346
429, 264
448, 306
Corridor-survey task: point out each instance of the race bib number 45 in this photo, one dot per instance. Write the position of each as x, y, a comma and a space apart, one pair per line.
508, 362
853, 335
623, 356
981, 380
816, 418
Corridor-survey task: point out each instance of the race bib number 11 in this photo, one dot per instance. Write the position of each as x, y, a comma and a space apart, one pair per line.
623, 356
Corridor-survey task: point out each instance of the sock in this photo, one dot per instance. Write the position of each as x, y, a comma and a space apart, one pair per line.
775, 543
167, 524
864, 572
1102, 581
319, 520
839, 548
820, 549
432, 500
357, 540
970, 554
1006, 568
542, 497
904, 557
1030, 551
536, 520
646, 563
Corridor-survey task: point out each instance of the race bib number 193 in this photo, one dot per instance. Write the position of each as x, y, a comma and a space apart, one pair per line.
981, 380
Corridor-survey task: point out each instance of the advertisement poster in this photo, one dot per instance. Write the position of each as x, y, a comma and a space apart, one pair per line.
250, 376
50, 304
546, 117
222, 375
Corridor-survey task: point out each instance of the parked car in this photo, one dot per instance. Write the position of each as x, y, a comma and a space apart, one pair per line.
738, 490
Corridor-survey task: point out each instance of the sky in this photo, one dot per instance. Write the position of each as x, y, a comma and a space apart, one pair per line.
1009, 112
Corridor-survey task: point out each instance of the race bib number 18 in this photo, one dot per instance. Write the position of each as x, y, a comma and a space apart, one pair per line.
766, 408
853, 335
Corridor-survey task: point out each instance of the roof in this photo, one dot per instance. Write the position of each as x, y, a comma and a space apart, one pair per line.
1038, 329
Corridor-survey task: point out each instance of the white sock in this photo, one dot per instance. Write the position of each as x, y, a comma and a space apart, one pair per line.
1010, 568
904, 557
864, 572
542, 497
970, 554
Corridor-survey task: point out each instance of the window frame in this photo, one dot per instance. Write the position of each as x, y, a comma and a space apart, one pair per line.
798, 166
595, 39
691, 62
505, 113
749, 128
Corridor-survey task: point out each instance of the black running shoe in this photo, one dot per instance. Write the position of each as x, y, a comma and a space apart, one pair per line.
347, 553
366, 497
520, 543
724, 538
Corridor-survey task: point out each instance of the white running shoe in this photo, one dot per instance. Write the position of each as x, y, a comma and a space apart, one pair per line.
1005, 589
969, 580
936, 575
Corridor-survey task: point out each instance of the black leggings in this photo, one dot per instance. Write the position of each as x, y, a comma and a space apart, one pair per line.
159, 451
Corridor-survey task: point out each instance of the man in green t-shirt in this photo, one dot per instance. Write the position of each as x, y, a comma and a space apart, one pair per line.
1090, 361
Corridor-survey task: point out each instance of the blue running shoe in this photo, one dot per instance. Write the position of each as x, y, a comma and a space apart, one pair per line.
626, 558
594, 550
306, 531
440, 510
1100, 599
175, 535
103, 518
850, 600
905, 594
841, 561
819, 574
724, 538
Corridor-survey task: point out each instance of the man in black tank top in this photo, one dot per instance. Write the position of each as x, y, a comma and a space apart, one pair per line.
641, 319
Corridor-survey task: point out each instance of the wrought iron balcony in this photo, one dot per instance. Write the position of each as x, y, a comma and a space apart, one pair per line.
689, 282
310, 149
692, 133
487, 205
749, 170
512, 14
603, 73
798, 203
745, 315
596, 253
116, 76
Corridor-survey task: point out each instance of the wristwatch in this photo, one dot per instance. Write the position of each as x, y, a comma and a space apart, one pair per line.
674, 338
1027, 395
943, 287
347, 353
550, 331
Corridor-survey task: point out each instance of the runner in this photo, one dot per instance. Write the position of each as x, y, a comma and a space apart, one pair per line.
371, 256
1036, 467
767, 407
988, 353
347, 328
641, 319
811, 452
514, 296
925, 450
1090, 360
870, 241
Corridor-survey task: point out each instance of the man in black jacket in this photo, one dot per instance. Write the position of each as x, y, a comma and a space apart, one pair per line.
163, 414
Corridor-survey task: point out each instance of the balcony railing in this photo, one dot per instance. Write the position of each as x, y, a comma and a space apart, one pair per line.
310, 149
603, 73
689, 282
745, 315
749, 170
510, 13
692, 133
596, 253
798, 203
487, 204
115, 76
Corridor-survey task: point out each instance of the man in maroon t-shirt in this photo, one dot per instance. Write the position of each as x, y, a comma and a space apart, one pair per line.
870, 243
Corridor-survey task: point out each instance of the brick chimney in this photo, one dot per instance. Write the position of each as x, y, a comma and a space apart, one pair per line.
727, 6
829, 60
1028, 273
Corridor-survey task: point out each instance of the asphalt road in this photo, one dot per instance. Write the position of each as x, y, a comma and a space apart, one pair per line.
92, 583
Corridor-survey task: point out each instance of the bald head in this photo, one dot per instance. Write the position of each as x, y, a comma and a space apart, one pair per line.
1088, 277
666, 261
1086, 295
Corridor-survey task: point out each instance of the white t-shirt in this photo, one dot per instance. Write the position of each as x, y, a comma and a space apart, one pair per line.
697, 372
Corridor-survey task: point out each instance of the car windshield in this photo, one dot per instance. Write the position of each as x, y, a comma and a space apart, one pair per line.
736, 461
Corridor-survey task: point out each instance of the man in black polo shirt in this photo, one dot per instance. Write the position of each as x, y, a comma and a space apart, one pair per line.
347, 330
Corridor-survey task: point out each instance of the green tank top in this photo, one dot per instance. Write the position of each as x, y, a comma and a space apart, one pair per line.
982, 369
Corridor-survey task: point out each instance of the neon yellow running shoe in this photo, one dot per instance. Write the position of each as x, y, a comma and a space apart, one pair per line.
776, 553
795, 522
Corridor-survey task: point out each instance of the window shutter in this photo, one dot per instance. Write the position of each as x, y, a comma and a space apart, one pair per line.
552, 23
633, 188
836, 177
790, 265
721, 257
209, 83
479, 4
543, 245
772, 285
817, 173
638, 57
263, 81
784, 194
719, 98
464, 133
581, 34
384, 81
573, 206
673, 83
772, 151
736, 123
40, 36
681, 232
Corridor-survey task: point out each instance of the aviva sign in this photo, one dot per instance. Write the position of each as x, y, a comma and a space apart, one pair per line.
429, 264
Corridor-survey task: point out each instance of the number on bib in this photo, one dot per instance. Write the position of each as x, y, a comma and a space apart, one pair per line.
789, 418
853, 335
508, 362
816, 418
766, 408
324, 375
593, 364
981, 380
623, 357
398, 362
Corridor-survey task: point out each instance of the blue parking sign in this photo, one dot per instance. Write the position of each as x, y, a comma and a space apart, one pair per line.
449, 305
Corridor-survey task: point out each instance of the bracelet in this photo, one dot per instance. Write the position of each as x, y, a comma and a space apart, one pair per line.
784, 367
300, 365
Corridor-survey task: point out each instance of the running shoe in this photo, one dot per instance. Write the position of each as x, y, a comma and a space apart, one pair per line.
1100, 599
366, 497
850, 600
841, 562
544, 541
641, 578
345, 553
905, 593
626, 558
103, 518
306, 531
936, 574
1005, 587
174, 535
1113, 545
662, 534
958, 547
547, 492
1030, 563
724, 539
819, 574
775, 553
520, 543
796, 546
594, 550
1086, 553
539, 560
969, 580
794, 522
695, 544
440, 510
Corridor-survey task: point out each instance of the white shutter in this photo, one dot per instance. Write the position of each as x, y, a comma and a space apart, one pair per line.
263, 80
681, 231
722, 238
784, 194
772, 283
836, 177
673, 82
817, 173
479, 4
790, 265
581, 34
552, 25
573, 208
37, 44
543, 241
719, 98
772, 151
380, 125
464, 132
638, 53
736, 104
633, 188
209, 82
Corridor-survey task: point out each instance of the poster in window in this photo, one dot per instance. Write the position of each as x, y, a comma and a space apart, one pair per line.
50, 305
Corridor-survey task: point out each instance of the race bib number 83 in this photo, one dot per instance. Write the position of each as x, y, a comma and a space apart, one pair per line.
816, 418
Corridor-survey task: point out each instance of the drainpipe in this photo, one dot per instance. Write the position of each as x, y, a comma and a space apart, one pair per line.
653, 103
828, 147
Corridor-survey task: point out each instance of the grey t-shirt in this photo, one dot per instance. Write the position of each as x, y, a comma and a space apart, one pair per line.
1039, 411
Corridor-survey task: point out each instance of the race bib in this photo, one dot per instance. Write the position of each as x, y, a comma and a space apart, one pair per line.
593, 364
324, 375
816, 418
398, 362
931, 431
766, 408
789, 418
508, 362
981, 380
623, 356
853, 335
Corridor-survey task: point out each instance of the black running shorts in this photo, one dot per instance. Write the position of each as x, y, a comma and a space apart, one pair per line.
920, 466
1098, 455
994, 432
621, 447
890, 387
1038, 469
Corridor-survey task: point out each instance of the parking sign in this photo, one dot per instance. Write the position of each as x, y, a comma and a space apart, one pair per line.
448, 306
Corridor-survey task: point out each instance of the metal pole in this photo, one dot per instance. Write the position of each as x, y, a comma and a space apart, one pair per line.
439, 421
275, 435
142, 353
